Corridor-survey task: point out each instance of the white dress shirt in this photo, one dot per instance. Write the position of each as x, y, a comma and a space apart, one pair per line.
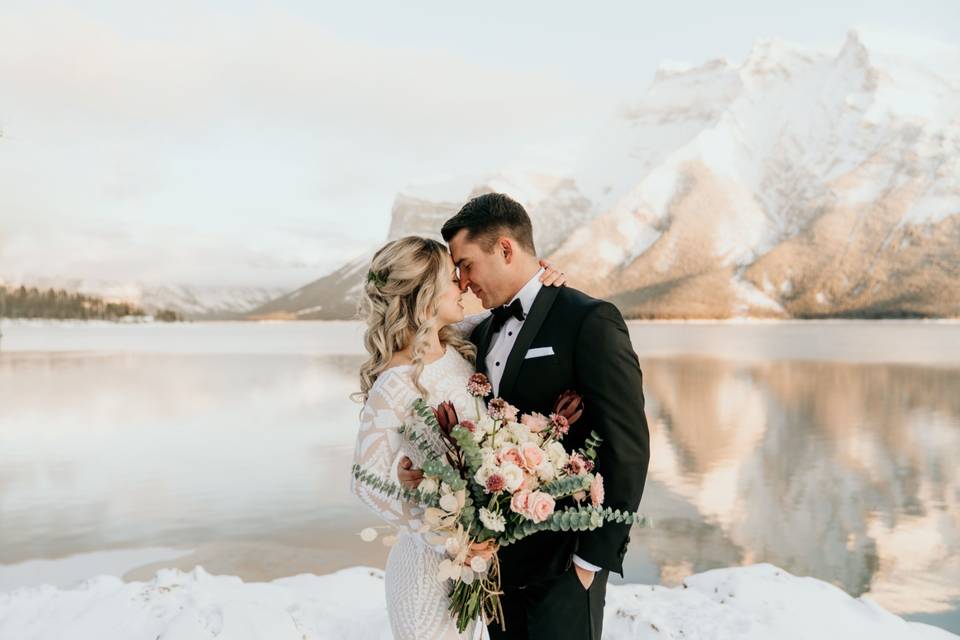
502, 344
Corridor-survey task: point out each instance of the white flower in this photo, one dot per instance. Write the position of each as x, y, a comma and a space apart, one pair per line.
546, 470
484, 472
557, 454
520, 433
512, 475
428, 486
368, 535
448, 503
466, 575
478, 564
447, 570
492, 521
486, 424
452, 546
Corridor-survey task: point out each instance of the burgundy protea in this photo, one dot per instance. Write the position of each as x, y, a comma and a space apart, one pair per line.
479, 386
500, 409
446, 415
569, 405
495, 483
559, 425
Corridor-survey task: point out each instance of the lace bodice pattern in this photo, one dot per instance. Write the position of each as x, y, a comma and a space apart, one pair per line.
416, 600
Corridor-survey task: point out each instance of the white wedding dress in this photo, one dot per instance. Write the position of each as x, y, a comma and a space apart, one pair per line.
416, 600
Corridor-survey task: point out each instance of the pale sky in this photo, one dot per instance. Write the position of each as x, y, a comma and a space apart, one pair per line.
262, 143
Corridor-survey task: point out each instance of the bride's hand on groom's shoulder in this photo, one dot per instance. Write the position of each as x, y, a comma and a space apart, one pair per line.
551, 277
409, 477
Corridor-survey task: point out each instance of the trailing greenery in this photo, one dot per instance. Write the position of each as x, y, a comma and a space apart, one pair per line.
591, 445
576, 519
391, 489
567, 486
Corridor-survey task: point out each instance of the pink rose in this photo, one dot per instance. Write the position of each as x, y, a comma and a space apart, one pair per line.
511, 454
539, 506
532, 456
536, 422
596, 490
529, 482
518, 503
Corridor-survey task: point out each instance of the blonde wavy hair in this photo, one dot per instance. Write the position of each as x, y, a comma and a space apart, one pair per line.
399, 304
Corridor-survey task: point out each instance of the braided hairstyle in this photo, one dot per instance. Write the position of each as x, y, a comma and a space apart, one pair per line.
399, 305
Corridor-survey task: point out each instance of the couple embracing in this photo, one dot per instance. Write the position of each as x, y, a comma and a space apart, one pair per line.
536, 340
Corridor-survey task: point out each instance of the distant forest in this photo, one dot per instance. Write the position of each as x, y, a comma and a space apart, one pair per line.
58, 304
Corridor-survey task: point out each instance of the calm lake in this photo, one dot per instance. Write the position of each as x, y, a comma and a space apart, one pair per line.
827, 448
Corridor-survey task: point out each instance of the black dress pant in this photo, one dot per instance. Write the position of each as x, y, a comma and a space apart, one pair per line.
555, 609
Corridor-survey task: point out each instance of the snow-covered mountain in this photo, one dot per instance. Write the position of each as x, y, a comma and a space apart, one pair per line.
192, 302
798, 183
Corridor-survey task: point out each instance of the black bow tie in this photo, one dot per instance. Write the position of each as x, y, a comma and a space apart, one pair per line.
502, 314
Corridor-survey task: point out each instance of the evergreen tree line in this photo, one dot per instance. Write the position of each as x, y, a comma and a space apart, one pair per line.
59, 304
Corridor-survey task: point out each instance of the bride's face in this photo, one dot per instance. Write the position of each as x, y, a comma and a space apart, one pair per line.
450, 297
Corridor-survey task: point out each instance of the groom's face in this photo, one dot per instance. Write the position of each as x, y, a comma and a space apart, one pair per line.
484, 273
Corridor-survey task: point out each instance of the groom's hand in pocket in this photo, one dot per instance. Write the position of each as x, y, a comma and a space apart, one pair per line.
409, 477
585, 576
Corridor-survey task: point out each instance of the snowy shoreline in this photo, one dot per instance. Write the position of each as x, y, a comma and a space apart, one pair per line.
759, 601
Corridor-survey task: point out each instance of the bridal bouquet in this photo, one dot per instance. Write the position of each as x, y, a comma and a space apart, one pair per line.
500, 478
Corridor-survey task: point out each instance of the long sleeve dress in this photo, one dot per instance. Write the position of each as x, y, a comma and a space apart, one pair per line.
416, 599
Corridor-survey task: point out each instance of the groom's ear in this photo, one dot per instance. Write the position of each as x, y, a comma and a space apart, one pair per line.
506, 249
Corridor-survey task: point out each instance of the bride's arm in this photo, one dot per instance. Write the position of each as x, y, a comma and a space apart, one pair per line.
466, 326
379, 447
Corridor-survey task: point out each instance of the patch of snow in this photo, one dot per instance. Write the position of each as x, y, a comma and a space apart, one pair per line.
752, 297
755, 602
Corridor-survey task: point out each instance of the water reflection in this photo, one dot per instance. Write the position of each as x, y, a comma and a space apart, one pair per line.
838, 470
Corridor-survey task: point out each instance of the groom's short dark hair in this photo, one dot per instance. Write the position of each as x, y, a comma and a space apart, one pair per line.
490, 216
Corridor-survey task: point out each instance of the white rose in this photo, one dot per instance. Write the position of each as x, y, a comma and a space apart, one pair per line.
492, 521
557, 454
518, 432
546, 471
512, 475
484, 472
486, 424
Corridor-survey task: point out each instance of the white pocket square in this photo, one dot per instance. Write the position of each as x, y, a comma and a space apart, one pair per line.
539, 352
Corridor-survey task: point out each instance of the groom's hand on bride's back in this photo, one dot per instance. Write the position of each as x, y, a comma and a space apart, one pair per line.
409, 477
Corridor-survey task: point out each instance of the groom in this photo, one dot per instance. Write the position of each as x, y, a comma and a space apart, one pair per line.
539, 342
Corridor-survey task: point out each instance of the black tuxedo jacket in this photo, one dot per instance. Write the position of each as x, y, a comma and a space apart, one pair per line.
593, 356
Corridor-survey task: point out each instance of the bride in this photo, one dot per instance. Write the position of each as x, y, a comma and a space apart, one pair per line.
415, 336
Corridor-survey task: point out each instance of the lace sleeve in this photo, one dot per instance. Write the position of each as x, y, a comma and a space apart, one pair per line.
378, 449
469, 323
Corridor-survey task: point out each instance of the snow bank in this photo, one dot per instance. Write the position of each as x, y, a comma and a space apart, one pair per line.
755, 602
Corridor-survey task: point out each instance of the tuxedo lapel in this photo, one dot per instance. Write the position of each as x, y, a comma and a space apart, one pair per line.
483, 344
531, 326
